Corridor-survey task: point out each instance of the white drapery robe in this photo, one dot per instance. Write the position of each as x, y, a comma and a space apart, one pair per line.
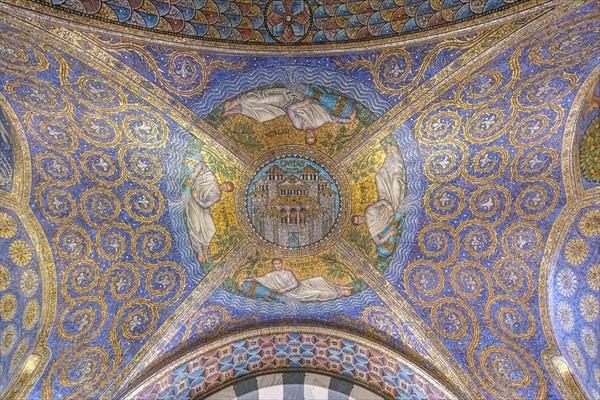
391, 188
265, 104
391, 179
377, 218
313, 289
309, 116
201, 227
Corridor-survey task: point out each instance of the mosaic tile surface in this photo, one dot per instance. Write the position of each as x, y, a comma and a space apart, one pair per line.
406, 195
575, 301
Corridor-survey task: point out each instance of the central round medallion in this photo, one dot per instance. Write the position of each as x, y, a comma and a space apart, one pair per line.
292, 202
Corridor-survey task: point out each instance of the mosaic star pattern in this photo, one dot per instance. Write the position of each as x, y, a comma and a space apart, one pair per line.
335, 355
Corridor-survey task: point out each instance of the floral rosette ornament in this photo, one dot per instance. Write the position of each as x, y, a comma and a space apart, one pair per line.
288, 20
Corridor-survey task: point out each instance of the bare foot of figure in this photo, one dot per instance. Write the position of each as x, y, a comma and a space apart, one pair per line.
347, 290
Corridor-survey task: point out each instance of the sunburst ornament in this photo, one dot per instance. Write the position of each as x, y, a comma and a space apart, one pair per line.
8, 338
590, 223
31, 314
8, 307
593, 278
29, 283
20, 253
576, 251
5, 278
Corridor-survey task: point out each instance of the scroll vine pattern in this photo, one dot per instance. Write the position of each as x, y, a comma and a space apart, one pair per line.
494, 183
96, 150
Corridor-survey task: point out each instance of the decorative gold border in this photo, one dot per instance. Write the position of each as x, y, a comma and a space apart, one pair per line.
87, 23
562, 376
18, 201
189, 354
571, 170
577, 199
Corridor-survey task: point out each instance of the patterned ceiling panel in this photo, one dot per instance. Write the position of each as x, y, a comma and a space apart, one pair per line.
115, 248
27, 280
494, 189
406, 195
283, 22
214, 321
215, 318
196, 79
118, 275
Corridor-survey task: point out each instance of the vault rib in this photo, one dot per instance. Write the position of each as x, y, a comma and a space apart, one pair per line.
198, 296
402, 311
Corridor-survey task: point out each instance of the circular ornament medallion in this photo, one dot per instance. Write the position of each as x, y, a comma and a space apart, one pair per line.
288, 21
294, 201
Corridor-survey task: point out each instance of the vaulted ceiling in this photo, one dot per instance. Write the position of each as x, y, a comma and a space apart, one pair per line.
403, 196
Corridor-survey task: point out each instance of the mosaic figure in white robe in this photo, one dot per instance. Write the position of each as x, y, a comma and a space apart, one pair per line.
283, 282
205, 192
307, 110
384, 218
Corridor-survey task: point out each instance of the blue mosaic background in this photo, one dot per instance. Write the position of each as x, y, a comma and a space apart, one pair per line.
484, 179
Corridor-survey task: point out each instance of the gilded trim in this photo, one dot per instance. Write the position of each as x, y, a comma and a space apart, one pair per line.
18, 201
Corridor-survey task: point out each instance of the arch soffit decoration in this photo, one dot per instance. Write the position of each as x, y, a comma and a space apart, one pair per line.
17, 200
288, 383
29, 378
397, 113
376, 370
574, 193
578, 198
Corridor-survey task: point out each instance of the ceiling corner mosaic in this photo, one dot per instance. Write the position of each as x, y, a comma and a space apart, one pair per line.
422, 220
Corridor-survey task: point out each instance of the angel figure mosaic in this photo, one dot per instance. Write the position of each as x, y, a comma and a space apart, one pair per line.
385, 217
